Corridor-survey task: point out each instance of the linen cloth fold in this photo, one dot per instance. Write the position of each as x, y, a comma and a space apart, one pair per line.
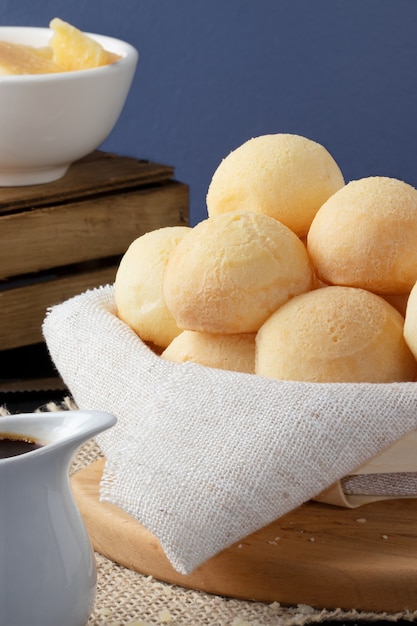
204, 457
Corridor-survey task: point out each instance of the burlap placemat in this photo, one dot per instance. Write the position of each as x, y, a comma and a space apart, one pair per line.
127, 598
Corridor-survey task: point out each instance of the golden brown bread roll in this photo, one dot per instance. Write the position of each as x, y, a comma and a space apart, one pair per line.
138, 291
284, 176
225, 352
335, 334
365, 236
231, 271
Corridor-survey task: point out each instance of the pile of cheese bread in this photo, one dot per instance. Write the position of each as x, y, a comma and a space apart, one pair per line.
294, 275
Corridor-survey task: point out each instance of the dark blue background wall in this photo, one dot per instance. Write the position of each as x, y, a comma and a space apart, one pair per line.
213, 73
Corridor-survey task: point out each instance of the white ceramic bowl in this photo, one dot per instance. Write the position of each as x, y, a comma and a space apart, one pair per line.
48, 121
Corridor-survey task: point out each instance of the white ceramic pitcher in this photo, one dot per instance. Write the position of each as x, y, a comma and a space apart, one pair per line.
47, 566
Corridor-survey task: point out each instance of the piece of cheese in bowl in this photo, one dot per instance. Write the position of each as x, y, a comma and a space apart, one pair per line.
75, 50
18, 59
69, 49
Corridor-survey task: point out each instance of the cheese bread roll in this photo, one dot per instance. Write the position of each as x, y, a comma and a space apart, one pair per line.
138, 290
365, 236
231, 271
225, 352
287, 177
335, 334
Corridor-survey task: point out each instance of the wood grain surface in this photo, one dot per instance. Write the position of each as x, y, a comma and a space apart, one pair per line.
319, 555
61, 238
24, 308
97, 173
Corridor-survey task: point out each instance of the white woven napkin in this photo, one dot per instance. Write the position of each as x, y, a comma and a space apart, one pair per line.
204, 457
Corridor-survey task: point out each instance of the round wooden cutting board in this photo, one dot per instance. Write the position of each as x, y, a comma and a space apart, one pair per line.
319, 555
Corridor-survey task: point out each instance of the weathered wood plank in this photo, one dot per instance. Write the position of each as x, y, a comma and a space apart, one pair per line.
59, 235
96, 174
24, 308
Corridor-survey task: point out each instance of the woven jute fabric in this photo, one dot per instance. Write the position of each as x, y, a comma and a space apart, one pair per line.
203, 457
127, 598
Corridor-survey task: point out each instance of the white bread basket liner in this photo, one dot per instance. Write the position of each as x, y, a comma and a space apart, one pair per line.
204, 457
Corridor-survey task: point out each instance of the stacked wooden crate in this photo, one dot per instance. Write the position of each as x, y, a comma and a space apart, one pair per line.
61, 238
